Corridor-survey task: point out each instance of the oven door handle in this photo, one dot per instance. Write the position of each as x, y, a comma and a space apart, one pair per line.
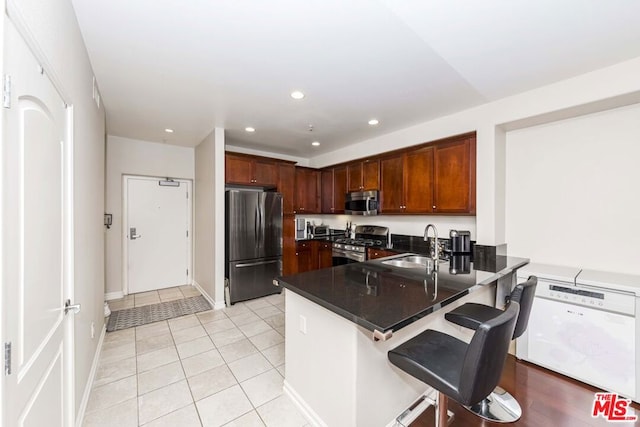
348, 255
342, 252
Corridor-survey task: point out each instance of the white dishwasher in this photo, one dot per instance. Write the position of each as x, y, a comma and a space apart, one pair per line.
584, 328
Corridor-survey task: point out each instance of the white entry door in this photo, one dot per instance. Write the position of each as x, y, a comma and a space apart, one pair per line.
157, 233
36, 244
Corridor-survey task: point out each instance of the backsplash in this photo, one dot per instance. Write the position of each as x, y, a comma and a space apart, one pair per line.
418, 245
410, 225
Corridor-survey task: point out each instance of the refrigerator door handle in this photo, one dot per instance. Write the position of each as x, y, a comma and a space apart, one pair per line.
260, 233
260, 212
253, 264
255, 225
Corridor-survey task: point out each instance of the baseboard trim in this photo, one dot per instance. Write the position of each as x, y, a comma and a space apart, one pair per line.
92, 376
303, 406
113, 295
216, 305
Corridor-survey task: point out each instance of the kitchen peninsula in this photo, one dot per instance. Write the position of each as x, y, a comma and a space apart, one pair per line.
342, 321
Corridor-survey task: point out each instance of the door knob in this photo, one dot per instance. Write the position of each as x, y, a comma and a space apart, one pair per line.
68, 307
133, 235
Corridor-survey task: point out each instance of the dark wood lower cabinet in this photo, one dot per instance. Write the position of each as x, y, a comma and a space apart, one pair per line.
304, 255
379, 253
325, 258
313, 254
289, 258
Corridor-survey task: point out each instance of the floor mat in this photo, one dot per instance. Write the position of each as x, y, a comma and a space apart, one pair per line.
130, 317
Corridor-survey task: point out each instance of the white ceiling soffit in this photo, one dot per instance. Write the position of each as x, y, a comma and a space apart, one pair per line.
192, 65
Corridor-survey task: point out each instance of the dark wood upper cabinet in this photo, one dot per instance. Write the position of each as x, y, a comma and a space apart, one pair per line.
434, 178
354, 177
307, 190
339, 189
265, 173
454, 177
370, 175
286, 178
418, 181
363, 176
392, 184
326, 191
238, 170
334, 188
250, 170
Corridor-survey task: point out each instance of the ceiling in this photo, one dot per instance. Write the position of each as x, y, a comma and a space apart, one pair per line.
192, 65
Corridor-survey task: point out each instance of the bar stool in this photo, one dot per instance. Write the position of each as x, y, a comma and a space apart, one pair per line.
466, 373
499, 406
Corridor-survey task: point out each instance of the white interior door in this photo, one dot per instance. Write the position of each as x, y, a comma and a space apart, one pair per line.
35, 244
157, 234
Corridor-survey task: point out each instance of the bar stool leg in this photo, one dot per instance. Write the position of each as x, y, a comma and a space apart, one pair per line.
442, 417
498, 407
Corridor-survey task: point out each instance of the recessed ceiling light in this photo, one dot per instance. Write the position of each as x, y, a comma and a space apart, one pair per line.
373, 122
167, 130
249, 129
315, 143
296, 94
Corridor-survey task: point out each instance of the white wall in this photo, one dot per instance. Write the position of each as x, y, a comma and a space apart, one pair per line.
599, 90
209, 217
53, 26
134, 157
204, 214
572, 191
301, 161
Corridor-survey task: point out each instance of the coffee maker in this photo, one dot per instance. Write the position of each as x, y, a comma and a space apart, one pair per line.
460, 241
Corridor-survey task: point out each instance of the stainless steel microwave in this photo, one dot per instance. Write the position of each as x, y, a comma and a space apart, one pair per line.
361, 203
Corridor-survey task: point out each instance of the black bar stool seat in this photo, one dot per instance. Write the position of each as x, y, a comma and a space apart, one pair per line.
471, 315
499, 406
464, 372
434, 358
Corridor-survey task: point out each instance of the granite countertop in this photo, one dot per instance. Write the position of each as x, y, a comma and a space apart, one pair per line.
385, 298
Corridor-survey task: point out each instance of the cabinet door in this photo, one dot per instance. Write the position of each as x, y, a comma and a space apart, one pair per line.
354, 177
300, 184
238, 170
371, 175
325, 258
418, 181
326, 191
453, 179
379, 253
265, 173
303, 254
391, 185
286, 178
289, 258
339, 189
312, 192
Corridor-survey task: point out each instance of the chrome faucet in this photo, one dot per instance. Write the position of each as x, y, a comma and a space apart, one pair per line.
436, 248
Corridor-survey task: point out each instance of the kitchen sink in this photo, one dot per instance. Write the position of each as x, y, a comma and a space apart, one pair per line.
410, 261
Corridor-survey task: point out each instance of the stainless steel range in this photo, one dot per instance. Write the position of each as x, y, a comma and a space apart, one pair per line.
347, 250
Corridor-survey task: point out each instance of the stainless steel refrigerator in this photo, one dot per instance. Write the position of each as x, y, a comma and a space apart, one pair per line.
253, 236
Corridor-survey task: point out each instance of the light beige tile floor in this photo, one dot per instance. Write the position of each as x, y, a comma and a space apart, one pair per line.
215, 368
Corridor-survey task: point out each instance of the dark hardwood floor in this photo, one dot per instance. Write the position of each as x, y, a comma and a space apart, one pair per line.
546, 398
